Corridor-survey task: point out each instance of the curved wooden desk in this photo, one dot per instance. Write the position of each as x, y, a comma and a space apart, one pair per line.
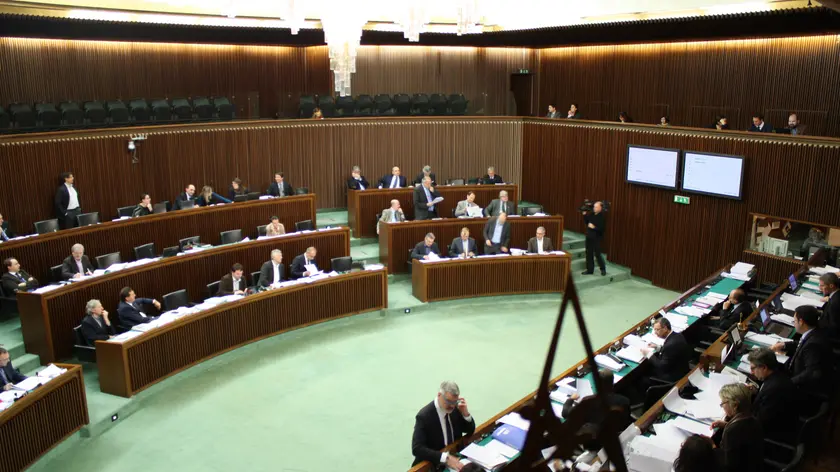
126, 368
39, 421
487, 276
47, 319
38, 253
363, 205
396, 239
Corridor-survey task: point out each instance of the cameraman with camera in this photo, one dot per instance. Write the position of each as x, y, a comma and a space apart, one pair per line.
595, 226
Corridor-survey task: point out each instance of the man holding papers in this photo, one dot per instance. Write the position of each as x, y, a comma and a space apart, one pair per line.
540, 244
671, 362
438, 424
304, 264
830, 319
8, 374
77, 264
426, 248
463, 246
811, 362
426, 199
464, 207
734, 309
775, 402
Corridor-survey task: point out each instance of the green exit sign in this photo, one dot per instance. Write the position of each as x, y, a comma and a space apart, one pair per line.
524, 71
680, 199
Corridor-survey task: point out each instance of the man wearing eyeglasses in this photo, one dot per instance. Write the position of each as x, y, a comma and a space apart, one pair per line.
671, 362
438, 424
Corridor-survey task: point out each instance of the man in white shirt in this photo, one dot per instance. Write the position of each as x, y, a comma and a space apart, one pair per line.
395, 180
302, 264
438, 424
540, 244
272, 271
67, 206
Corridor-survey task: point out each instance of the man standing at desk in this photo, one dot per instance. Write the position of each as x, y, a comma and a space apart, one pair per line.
67, 203
596, 224
437, 425
299, 263
540, 244
426, 247
77, 264
395, 180
497, 235
16, 280
830, 318
424, 201
671, 362
8, 374
463, 246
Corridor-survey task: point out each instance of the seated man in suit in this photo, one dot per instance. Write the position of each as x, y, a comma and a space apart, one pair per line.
280, 188
552, 111
671, 362
15, 279
795, 126
492, 178
461, 208
394, 214
300, 262
596, 418
540, 244
759, 125
811, 362
394, 180
734, 309
500, 205
424, 196
130, 311
464, 246
426, 172
77, 264
233, 283
8, 374
5, 234
272, 271
497, 235
67, 202
357, 181
96, 326
425, 247
187, 195
437, 425
775, 402
830, 318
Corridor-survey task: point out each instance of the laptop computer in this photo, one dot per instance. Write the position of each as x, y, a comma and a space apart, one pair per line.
770, 326
793, 283
778, 307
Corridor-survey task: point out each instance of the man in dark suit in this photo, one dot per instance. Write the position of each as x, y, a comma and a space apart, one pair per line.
77, 264
497, 235
394, 180
280, 188
796, 128
188, 195
734, 309
671, 362
437, 425
596, 226
540, 244
129, 311
357, 181
300, 262
67, 203
233, 283
492, 177
8, 374
811, 362
425, 247
500, 205
775, 402
426, 172
16, 280
830, 318
759, 125
5, 233
424, 196
552, 111
272, 271
96, 326
463, 246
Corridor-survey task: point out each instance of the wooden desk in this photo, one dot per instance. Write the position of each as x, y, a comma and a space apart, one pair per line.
38, 253
396, 239
363, 205
47, 320
39, 421
126, 368
486, 276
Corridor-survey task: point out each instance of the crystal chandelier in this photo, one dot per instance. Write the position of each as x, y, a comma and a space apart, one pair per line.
413, 21
343, 32
468, 17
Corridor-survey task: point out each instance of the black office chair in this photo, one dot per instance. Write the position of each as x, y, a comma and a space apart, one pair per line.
139, 110
82, 349
364, 105
55, 273
472, 181
341, 264
117, 111
305, 225
107, 260
345, 106
261, 230
306, 107
161, 207
22, 115
48, 115
410, 260
175, 300
71, 113
528, 211
146, 251
170, 251
301, 191
46, 226
95, 113
327, 105
457, 104
87, 219
456, 182
225, 110
191, 241
402, 104
420, 104
240, 198
202, 107
213, 289
232, 236
182, 109
254, 195
161, 110
125, 211
255, 278
438, 104
383, 105
184, 204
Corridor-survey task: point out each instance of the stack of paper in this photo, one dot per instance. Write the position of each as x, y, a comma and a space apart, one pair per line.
792, 302
742, 268
782, 318
515, 419
31, 383
501, 449
47, 288
607, 363
648, 454
740, 277
670, 434
825, 270
679, 322
121, 338
653, 339
692, 427
51, 371
765, 340
632, 354
567, 385
487, 458
635, 341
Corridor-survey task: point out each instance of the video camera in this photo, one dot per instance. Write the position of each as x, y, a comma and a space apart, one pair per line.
588, 204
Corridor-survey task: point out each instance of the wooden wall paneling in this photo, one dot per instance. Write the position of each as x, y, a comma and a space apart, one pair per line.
772, 269
816, 120
706, 116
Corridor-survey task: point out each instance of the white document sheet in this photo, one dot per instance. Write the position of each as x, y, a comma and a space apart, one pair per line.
483, 456
782, 318
607, 363
631, 353
742, 268
647, 454
692, 426
501, 448
515, 419
653, 339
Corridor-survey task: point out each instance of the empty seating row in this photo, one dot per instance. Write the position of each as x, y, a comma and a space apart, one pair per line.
49, 116
401, 104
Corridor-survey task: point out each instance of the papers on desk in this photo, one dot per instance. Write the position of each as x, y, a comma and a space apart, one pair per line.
635, 341
51, 371
31, 383
728, 275
121, 338
670, 434
501, 449
483, 456
648, 454
517, 252
692, 427
811, 295
560, 397
47, 288
8, 396
475, 211
653, 339
765, 340
824, 270
780, 358
632, 354
782, 318
680, 322
713, 383
312, 269
792, 302
700, 410
742, 268
694, 311
607, 363
515, 419
374, 266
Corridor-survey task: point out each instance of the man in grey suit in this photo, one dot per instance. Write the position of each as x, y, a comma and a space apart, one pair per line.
552, 112
463, 246
497, 235
391, 215
272, 271
461, 208
424, 196
501, 205
540, 244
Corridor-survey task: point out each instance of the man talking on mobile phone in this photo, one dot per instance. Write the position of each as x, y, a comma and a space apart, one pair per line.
438, 425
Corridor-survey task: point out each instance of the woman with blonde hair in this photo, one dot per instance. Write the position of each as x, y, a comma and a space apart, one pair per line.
741, 447
209, 197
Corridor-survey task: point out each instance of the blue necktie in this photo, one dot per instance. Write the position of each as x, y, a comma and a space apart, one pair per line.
3, 375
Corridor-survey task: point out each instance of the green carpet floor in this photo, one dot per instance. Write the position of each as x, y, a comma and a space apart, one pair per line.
343, 395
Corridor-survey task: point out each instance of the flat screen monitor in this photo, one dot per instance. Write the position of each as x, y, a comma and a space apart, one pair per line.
793, 284
777, 304
765, 318
718, 175
654, 167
